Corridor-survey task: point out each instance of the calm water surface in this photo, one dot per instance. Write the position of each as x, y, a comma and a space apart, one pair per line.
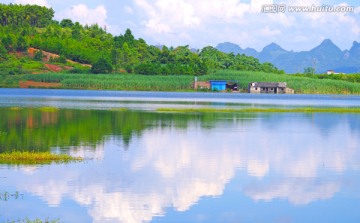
146, 166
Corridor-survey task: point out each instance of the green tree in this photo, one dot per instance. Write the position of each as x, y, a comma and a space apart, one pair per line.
102, 66
309, 70
66, 23
21, 44
38, 55
7, 41
3, 52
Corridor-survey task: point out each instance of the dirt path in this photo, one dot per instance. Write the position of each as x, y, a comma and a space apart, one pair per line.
27, 84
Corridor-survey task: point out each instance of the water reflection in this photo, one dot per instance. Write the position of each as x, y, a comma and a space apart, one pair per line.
175, 161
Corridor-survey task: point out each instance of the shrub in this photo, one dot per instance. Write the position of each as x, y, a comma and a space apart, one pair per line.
102, 66
38, 55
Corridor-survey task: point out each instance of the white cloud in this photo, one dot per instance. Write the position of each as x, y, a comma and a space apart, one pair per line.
33, 2
357, 10
299, 192
238, 21
256, 5
81, 13
128, 10
176, 15
267, 31
138, 184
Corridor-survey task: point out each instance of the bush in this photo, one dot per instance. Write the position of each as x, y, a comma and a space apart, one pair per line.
102, 66
148, 69
38, 55
79, 71
129, 69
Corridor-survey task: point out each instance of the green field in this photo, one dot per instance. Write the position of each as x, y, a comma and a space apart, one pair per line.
131, 82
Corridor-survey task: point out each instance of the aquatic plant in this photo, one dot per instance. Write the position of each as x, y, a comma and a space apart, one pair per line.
48, 109
37, 220
264, 110
17, 157
5, 196
15, 108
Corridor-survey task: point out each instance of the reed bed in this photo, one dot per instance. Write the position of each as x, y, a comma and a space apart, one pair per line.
135, 82
117, 81
17, 157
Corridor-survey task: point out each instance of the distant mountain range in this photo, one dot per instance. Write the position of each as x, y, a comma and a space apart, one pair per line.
326, 56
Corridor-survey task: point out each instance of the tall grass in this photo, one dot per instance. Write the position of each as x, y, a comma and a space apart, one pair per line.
301, 85
9, 81
117, 81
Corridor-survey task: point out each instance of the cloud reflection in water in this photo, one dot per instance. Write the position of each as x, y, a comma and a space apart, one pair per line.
285, 157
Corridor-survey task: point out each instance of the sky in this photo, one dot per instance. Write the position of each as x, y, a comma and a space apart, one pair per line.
202, 23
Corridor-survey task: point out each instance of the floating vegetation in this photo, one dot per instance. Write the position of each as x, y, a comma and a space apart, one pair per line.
38, 220
5, 196
262, 110
28, 158
15, 108
49, 109
119, 109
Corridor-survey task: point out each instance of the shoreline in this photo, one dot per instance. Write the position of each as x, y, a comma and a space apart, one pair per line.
153, 100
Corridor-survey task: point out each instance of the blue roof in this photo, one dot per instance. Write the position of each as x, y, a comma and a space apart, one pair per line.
217, 82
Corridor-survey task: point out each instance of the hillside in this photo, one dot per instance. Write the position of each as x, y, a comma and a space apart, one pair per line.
326, 56
32, 26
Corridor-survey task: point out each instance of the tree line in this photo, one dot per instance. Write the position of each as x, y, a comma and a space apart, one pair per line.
22, 15
30, 25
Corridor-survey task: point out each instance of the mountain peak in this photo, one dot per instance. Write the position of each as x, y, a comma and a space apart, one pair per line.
327, 42
355, 50
272, 47
327, 47
228, 47
356, 44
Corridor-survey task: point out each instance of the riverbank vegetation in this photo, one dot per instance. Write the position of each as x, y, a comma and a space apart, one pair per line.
135, 82
301, 85
27, 158
354, 78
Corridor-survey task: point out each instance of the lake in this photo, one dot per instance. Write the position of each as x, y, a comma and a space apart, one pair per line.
142, 165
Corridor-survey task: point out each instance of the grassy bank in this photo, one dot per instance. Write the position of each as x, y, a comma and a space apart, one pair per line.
35, 158
262, 110
301, 85
134, 82
127, 82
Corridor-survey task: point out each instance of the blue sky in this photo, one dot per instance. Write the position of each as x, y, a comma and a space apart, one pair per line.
209, 22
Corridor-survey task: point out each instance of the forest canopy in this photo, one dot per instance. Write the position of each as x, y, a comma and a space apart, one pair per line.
24, 26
